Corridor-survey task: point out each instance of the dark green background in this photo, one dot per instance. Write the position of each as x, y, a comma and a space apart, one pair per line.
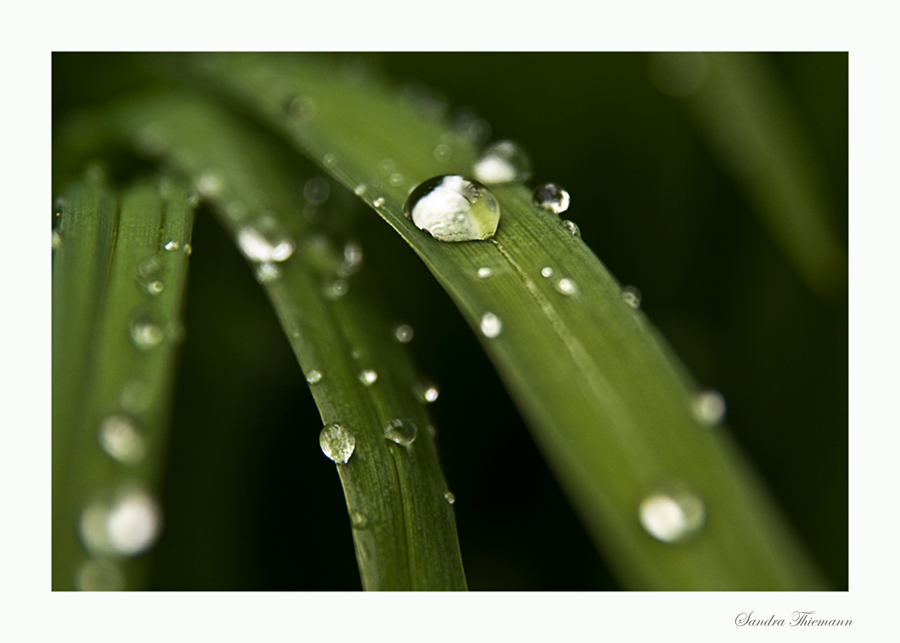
250, 501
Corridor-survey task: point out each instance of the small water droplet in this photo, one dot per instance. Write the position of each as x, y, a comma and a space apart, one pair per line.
171, 245
301, 108
317, 190
502, 162
709, 407
57, 239
145, 333
403, 433
264, 240
329, 160
395, 179
121, 440
491, 325
572, 227
443, 152
484, 272
673, 515
403, 333
368, 377
378, 202
155, 287
337, 443
566, 286
452, 208
209, 184
426, 390
358, 520
449, 497
360, 189
336, 289
551, 197
267, 272
353, 257
99, 574
188, 249
631, 296
314, 376
547, 272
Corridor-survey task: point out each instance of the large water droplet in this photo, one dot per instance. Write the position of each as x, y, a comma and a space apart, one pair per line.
368, 377
672, 516
502, 162
121, 440
491, 325
551, 197
631, 296
145, 333
403, 333
453, 208
265, 241
709, 407
98, 575
403, 433
337, 443
426, 390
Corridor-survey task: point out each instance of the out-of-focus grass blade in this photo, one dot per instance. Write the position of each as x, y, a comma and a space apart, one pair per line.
119, 271
610, 407
743, 113
360, 376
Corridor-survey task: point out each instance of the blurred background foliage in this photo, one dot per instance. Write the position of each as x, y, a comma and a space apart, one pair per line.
250, 504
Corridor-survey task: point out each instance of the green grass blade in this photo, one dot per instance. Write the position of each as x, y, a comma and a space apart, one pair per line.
119, 270
404, 529
609, 405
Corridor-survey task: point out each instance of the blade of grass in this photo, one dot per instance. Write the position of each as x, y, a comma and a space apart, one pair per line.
606, 400
119, 270
403, 527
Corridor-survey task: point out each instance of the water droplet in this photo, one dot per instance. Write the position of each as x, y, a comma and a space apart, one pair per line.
134, 523
566, 286
403, 333
99, 574
358, 520
368, 377
121, 440
547, 272
329, 160
337, 443
631, 296
353, 257
267, 272
209, 184
145, 334
452, 208
314, 376
360, 189
491, 325
443, 152
572, 227
484, 272
317, 190
449, 497
709, 407
155, 287
264, 240
301, 108
426, 390
57, 239
336, 289
551, 197
672, 516
403, 433
134, 397
502, 162
395, 179
171, 245
378, 202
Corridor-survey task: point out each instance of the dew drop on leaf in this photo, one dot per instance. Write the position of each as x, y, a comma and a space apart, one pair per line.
403, 433
491, 325
502, 162
672, 516
337, 443
452, 208
551, 197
